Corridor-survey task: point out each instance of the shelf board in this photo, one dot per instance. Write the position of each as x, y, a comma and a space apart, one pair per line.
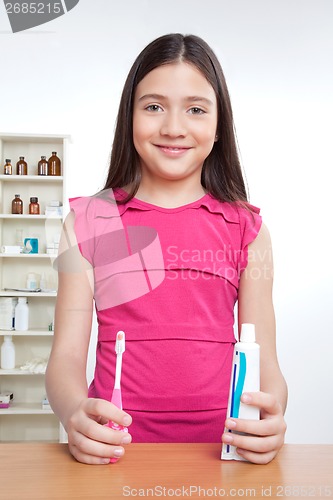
25, 409
35, 332
29, 178
33, 138
28, 255
18, 371
12, 293
30, 217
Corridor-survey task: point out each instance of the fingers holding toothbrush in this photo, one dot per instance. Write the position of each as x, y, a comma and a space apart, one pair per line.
92, 442
263, 438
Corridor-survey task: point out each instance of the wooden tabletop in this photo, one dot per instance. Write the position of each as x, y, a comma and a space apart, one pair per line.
47, 471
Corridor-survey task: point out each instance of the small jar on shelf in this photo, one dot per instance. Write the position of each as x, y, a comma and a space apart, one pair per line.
42, 166
17, 205
21, 166
34, 206
54, 164
8, 169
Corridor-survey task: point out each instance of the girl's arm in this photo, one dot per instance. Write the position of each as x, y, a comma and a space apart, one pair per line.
255, 306
66, 382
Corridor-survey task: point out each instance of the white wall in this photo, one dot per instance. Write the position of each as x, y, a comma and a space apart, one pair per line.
66, 77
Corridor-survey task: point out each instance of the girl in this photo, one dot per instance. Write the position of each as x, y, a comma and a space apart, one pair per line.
165, 251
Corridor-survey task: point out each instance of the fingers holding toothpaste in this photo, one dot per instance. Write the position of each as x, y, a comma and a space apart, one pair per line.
92, 442
258, 440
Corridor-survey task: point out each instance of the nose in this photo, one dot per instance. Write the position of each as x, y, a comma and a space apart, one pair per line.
173, 125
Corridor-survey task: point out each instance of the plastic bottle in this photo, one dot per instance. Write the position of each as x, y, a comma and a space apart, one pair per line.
8, 169
245, 377
43, 282
22, 314
31, 281
8, 353
42, 166
17, 205
19, 239
54, 164
21, 166
34, 206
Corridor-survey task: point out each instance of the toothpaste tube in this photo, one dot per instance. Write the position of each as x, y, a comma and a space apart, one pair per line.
245, 377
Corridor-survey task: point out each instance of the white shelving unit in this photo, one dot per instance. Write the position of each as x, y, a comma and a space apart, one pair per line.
25, 419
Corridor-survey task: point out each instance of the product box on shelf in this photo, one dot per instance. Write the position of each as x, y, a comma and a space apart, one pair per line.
7, 313
6, 398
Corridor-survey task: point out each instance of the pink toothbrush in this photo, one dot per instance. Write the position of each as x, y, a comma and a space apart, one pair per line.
116, 394
120, 349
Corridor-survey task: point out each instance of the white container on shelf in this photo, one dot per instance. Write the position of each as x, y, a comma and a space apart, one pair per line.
31, 281
7, 312
22, 314
8, 353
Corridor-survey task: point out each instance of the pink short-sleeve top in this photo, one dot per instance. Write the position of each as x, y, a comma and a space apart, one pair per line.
167, 277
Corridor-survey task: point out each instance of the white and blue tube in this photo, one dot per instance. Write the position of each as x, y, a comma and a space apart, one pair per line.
245, 377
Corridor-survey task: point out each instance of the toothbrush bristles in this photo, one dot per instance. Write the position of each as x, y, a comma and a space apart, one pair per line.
120, 343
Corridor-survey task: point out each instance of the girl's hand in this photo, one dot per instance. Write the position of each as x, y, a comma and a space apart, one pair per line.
92, 442
266, 435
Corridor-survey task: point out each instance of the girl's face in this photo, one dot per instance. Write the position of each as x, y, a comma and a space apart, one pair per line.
174, 122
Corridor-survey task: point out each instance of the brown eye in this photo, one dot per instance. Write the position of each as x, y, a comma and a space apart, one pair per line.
196, 111
153, 107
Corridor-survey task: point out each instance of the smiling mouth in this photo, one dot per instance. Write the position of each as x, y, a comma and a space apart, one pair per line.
172, 149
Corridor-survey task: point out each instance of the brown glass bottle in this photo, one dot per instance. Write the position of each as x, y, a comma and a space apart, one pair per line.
8, 169
34, 206
54, 165
21, 166
17, 205
42, 166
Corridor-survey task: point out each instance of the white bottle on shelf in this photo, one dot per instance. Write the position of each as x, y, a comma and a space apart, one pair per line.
8, 353
42, 282
22, 314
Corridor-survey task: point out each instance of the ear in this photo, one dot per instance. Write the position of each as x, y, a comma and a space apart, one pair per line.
216, 138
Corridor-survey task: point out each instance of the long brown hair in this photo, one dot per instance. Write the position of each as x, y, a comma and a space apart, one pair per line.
221, 174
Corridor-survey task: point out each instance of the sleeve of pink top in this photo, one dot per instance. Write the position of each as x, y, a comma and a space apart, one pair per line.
250, 224
95, 217
83, 225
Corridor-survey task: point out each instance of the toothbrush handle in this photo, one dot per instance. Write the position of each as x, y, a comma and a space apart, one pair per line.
116, 427
116, 398
117, 401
